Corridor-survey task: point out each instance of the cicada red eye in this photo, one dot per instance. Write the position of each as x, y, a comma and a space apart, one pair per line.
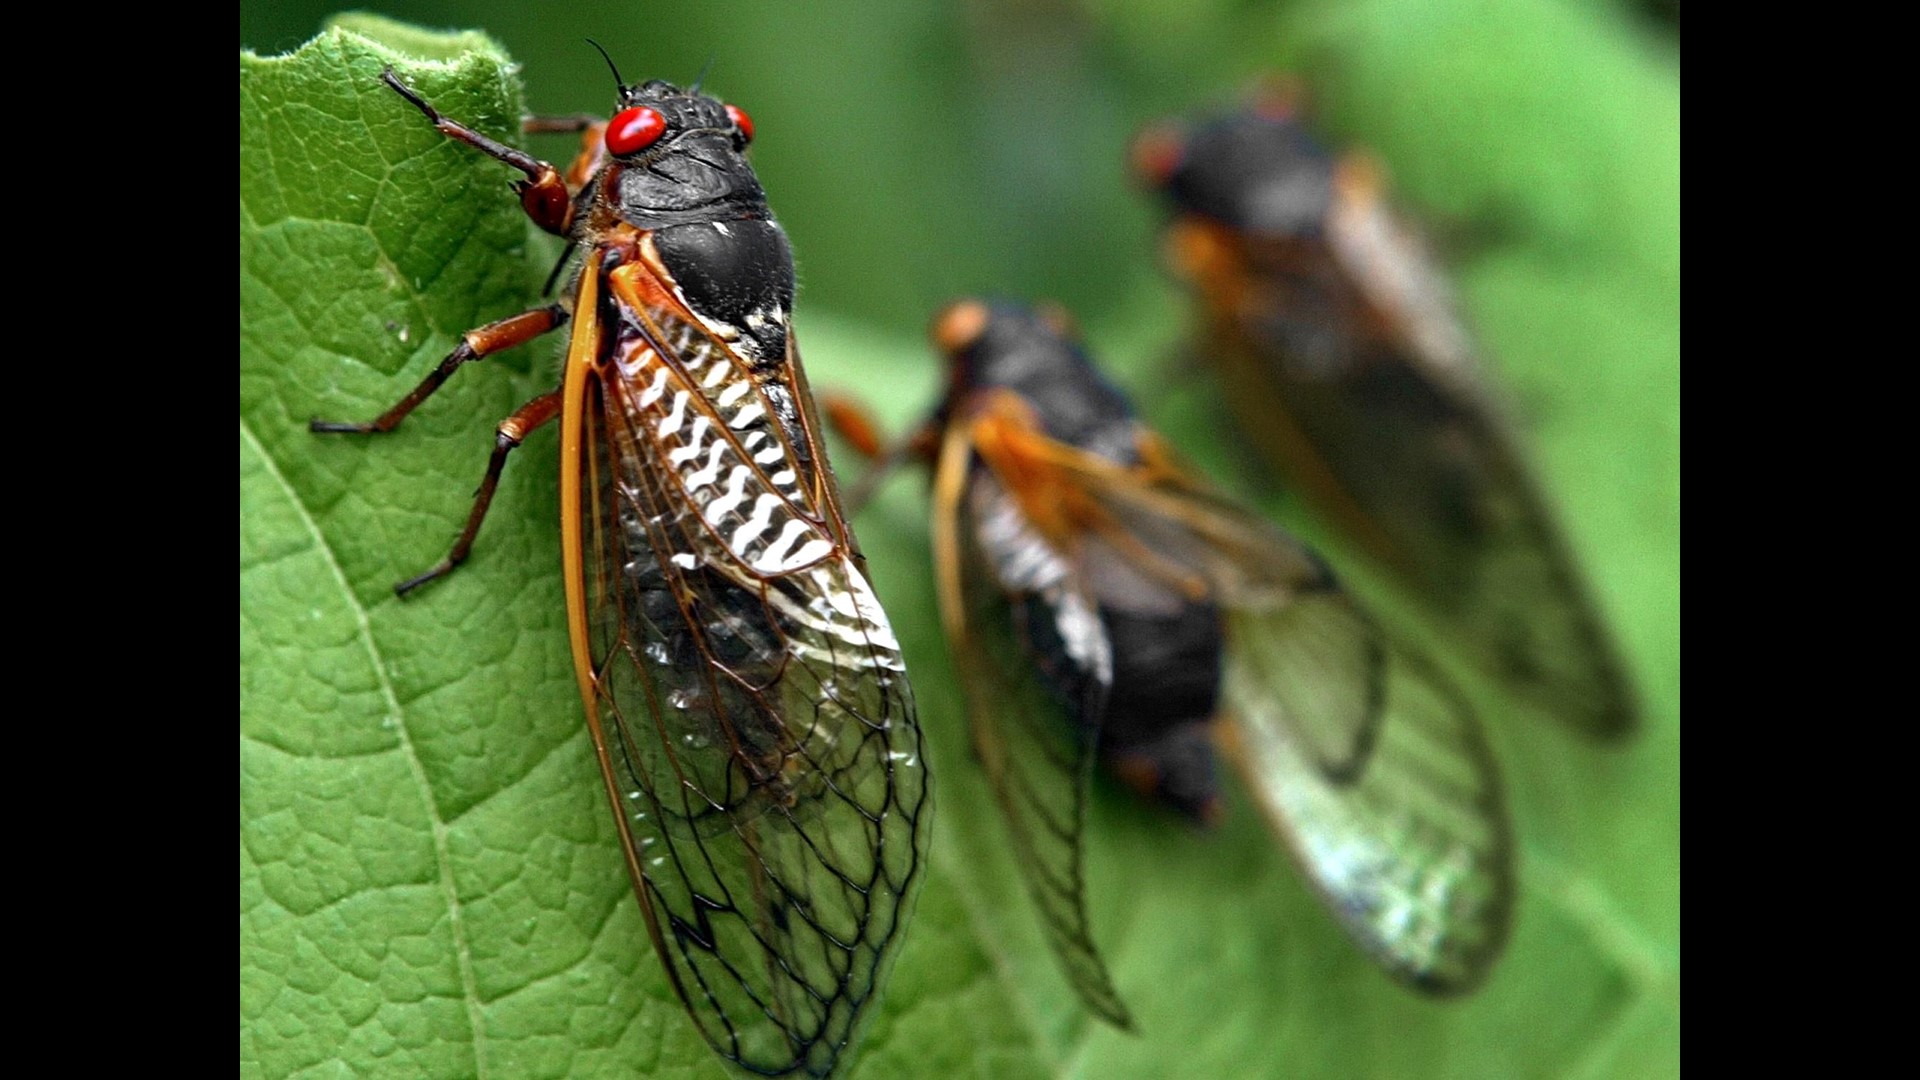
1157, 153
635, 129
742, 121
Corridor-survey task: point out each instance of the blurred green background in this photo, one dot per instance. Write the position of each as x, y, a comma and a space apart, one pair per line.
917, 152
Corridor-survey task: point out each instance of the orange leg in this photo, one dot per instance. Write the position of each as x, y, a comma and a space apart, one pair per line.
561, 125
852, 422
511, 432
474, 344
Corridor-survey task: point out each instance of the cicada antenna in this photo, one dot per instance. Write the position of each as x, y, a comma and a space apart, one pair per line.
618, 82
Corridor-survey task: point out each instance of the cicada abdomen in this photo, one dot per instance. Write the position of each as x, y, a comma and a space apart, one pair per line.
1106, 609
1346, 365
743, 688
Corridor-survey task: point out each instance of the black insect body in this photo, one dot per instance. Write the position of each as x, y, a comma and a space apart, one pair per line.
743, 688
1347, 367
1149, 693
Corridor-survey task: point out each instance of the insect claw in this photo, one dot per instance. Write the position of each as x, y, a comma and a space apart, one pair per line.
439, 570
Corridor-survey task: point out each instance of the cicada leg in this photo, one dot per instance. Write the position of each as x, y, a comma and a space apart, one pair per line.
474, 344
543, 194
511, 432
547, 199
558, 125
593, 132
854, 423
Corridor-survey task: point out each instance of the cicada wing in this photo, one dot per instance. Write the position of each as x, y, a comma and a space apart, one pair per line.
759, 734
1026, 638
1364, 759
1530, 618
1320, 654
1411, 852
1370, 400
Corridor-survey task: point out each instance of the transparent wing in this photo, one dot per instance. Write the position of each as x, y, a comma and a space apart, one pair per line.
759, 733
1365, 761
1411, 852
1027, 638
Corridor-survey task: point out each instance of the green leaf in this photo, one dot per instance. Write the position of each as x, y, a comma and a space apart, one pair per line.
429, 879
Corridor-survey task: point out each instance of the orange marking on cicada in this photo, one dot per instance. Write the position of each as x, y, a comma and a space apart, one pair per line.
593, 154
1212, 255
1006, 436
1209, 253
1042, 476
1223, 261
582, 358
641, 288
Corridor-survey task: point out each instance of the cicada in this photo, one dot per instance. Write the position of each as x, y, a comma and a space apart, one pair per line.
743, 690
1349, 370
1106, 607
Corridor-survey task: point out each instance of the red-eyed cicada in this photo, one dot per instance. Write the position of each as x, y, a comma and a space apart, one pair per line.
743, 690
1105, 606
1348, 369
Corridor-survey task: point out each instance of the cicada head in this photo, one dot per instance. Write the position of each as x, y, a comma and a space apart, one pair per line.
1033, 352
1254, 170
680, 155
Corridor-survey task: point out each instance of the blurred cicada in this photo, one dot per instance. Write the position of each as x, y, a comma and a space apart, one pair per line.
1104, 605
743, 689
1348, 369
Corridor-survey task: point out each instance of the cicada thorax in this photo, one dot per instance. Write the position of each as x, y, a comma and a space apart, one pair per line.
1150, 643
